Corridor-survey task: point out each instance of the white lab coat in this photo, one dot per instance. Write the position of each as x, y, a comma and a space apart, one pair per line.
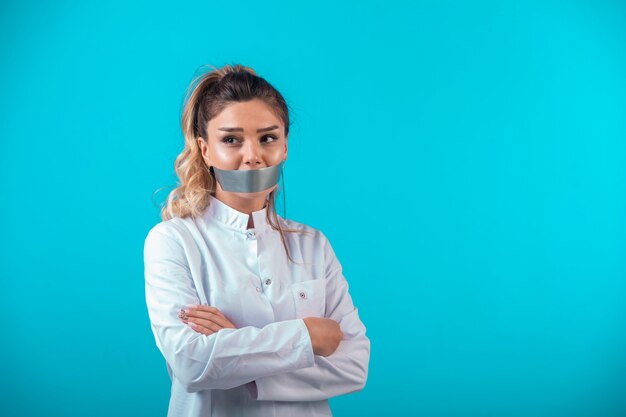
265, 367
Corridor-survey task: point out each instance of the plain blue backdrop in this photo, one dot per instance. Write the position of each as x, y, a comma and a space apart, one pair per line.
467, 161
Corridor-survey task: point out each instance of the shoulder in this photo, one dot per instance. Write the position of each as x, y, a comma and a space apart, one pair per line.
170, 234
303, 230
307, 236
170, 228
316, 244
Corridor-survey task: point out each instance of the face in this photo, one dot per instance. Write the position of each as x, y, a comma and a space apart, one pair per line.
246, 135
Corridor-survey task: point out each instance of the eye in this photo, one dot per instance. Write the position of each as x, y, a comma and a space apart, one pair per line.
227, 140
273, 138
231, 140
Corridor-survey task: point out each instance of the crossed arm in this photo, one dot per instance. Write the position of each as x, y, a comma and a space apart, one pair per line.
276, 362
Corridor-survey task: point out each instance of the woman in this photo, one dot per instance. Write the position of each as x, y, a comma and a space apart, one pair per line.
250, 310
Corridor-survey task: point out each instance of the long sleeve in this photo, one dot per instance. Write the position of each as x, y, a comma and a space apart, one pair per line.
222, 360
342, 372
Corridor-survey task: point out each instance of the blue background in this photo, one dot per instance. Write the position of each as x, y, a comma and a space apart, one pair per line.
467, 161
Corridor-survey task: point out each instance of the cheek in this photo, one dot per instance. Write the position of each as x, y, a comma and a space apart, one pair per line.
225, 158
276, 155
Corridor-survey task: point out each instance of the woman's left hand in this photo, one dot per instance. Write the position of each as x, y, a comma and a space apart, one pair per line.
205, 319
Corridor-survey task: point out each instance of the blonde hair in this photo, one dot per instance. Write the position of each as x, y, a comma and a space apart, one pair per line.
207, 95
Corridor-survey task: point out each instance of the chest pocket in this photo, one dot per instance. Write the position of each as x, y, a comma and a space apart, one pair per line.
309, 297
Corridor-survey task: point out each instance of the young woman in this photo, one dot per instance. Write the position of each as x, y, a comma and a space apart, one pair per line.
250, 310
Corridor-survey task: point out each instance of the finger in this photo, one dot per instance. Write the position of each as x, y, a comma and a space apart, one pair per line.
211, 325
184, 313
196, 312
201, 329
219, 319
210, 309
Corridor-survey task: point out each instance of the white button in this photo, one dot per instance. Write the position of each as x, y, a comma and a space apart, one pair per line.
258, 289
268, 281
302, 294
250, 234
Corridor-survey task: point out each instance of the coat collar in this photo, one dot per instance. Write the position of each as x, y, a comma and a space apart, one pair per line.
223, 213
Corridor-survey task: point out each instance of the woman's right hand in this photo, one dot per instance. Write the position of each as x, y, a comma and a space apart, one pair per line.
325, 335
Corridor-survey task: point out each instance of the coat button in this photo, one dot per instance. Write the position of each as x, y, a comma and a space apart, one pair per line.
302, 294
268, 281
258, 289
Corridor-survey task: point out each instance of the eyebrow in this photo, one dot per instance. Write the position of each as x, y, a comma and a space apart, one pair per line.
239, 129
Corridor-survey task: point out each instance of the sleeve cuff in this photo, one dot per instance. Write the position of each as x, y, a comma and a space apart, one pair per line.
308, 346
252, 389
306, 359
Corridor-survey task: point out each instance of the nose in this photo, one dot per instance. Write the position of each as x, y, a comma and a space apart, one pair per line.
252, 155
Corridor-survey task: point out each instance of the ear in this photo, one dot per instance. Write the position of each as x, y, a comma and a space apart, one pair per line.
204, 150
286, 146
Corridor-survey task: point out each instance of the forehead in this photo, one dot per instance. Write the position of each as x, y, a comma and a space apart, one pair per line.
253, 114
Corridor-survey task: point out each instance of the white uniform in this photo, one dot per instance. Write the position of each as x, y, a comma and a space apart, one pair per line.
266, 366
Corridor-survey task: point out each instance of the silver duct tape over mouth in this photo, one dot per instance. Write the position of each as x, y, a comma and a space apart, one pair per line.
248, 180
